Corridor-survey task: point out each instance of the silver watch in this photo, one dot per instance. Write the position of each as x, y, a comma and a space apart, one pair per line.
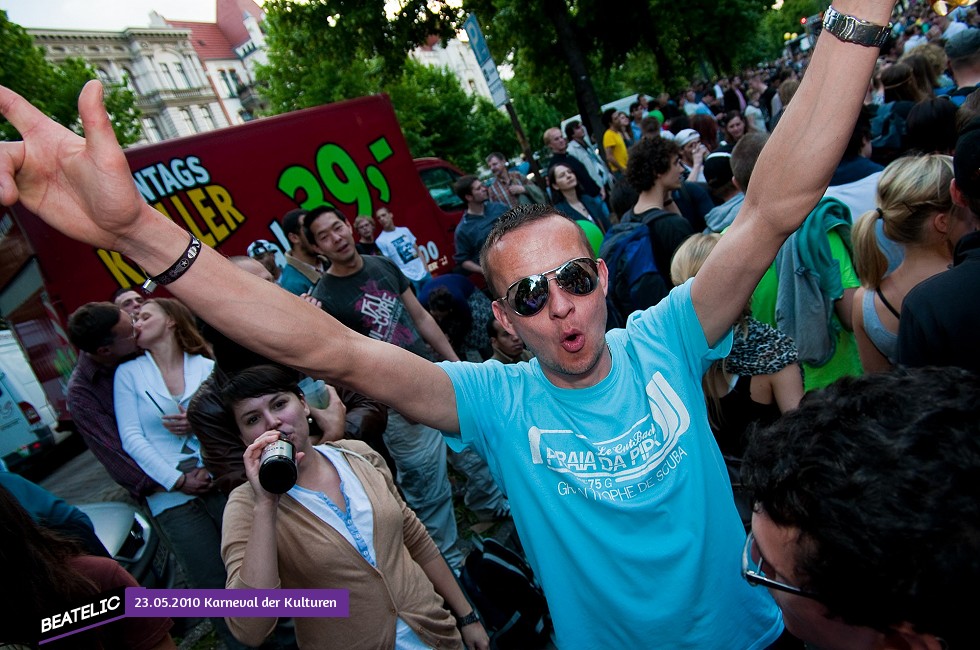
854, 30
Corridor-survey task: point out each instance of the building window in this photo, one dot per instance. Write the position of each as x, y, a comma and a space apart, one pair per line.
236, 81
208, 116
129, 80
150, 130
168, 76
183, 75
188, 120
232, 90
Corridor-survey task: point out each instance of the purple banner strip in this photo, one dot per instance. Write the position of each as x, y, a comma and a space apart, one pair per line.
194, 603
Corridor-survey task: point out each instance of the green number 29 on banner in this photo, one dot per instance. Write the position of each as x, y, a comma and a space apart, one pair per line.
338, 179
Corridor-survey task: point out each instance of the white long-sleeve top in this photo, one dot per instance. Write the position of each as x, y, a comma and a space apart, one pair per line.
157, 451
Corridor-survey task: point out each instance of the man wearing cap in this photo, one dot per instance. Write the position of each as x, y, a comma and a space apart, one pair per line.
692, 153
718, 175
303, 266
963, 52
266, 253
940, 316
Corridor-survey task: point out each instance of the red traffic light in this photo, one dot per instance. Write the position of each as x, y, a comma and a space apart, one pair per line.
803, 20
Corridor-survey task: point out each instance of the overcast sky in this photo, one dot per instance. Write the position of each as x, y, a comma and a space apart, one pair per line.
108, 15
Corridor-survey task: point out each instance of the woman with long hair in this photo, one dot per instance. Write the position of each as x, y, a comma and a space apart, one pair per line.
707, 128
570, 201
917, 211
343, 524
151, 394
734, 126
45, 572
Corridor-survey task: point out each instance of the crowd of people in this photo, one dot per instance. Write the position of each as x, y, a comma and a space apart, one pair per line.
794, 405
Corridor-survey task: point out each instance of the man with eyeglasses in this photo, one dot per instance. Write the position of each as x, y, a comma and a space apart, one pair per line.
602, 444
866, 526
105, 337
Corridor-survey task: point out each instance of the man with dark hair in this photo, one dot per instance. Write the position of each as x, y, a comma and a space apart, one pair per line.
866, 528
129, 299
478, 219
601, 443
655, 172
940, 316
510, 188
303, 266
636, 120
370, 295
507, 348
721, 182
581, 149
104, 336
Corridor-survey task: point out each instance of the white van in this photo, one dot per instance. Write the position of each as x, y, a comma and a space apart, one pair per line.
621, 104
27, 421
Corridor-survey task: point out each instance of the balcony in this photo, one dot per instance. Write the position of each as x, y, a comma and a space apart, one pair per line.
174, 96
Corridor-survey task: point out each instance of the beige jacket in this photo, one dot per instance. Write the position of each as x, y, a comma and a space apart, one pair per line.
312, 555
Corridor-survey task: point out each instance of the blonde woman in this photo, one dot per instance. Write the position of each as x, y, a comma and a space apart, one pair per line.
917, 212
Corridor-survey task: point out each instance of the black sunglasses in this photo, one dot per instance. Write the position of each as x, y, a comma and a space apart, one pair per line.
529, 295
755, 575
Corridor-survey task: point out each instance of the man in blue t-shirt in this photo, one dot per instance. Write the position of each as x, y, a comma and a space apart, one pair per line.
601, 442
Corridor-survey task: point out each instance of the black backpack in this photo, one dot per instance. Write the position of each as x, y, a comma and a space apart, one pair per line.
502, 588
635, 282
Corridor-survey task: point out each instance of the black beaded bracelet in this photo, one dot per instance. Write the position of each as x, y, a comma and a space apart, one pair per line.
176, 269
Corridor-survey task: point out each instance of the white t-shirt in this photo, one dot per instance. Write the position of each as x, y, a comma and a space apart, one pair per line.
398, 245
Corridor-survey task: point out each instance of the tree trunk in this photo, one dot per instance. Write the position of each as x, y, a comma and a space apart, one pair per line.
585, 96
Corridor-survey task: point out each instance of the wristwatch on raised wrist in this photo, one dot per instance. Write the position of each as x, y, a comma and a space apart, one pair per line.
854, 30
469, 619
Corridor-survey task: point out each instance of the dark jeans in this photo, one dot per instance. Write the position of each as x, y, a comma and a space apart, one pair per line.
193, 533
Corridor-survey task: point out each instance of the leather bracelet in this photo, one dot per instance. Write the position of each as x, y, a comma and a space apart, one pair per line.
176, 269
469, 619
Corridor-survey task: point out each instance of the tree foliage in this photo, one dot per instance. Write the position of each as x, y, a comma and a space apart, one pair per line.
313, 60
568, 57
54, 89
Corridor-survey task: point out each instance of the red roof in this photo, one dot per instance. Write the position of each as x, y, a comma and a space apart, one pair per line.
230, 14
207, 39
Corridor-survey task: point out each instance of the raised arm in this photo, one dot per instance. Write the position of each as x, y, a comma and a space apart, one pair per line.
84, 188
793, 170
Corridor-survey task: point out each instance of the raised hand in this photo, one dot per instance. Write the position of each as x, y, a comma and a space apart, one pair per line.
80, 186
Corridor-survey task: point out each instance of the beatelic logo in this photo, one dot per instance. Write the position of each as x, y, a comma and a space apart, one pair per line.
98, 610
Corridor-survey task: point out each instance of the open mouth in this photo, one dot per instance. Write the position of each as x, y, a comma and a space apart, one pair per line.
573, 341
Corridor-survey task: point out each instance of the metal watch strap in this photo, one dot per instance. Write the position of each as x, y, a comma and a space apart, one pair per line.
469, 619
854, 30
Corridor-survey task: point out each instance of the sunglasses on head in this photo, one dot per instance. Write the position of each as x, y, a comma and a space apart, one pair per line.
529, 295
